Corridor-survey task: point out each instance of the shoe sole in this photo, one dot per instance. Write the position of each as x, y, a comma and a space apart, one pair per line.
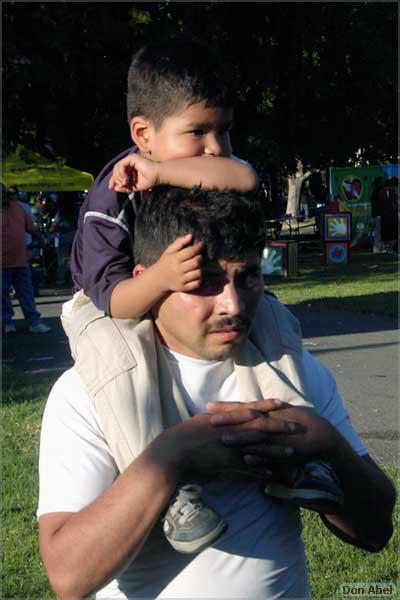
311, 495
200, 544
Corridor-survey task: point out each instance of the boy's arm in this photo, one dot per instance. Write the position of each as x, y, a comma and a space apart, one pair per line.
178, 269
137, 173
209, 172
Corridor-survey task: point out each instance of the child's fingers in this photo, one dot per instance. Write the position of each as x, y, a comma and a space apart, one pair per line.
191, 264
191, 276
126, 184
116, 187
190, 286
120, 175
189, 252
179, 243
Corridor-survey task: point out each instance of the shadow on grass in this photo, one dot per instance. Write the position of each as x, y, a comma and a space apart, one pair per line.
19, 388
312, 269
321, 317
44, 355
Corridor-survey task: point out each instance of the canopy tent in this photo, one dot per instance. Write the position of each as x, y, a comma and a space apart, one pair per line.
31, 172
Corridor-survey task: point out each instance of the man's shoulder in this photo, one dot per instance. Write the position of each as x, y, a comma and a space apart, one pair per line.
275, 325
68, 381
16, 209
69, 397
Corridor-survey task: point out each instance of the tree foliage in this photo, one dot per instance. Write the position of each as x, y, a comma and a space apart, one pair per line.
316, 80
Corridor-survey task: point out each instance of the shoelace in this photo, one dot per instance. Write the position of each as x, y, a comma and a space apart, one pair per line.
186, 509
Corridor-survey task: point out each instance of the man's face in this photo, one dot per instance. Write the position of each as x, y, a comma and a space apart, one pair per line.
196, 130
212, 321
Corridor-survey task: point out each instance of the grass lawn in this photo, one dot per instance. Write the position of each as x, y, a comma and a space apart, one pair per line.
368, 284
331, 562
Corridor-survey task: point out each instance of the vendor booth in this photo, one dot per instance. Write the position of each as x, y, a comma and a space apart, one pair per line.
351, 190
31, 172
62, 190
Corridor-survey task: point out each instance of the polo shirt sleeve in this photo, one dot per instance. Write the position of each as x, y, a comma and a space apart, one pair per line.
106, 258
102, 253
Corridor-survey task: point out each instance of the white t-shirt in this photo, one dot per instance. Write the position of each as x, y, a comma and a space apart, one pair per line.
202, 381
260, 557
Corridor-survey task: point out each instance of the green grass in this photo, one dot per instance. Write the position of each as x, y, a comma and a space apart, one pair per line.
23, 404
368, 284
331, 562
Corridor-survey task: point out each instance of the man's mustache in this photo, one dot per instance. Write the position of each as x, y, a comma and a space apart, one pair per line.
231, 324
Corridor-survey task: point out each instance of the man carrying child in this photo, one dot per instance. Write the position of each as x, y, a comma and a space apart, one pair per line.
180, 113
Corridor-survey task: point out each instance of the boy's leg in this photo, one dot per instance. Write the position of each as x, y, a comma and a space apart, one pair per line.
22, 282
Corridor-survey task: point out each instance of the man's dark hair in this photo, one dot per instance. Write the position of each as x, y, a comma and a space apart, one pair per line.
168, 74
231, 224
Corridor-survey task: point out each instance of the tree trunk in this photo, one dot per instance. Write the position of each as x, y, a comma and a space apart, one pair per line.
295, 182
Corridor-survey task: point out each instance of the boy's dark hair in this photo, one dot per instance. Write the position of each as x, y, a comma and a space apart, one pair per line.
168, 74
230, 223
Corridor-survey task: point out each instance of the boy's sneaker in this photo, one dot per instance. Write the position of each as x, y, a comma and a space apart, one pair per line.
10, 328
319, 489
39, 328
189, 524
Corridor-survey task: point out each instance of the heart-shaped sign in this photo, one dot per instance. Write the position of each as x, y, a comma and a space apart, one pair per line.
352, 188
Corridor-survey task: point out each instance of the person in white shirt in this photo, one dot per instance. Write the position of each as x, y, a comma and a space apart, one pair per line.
100, 525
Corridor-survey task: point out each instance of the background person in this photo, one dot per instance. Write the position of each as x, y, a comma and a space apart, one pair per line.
377, 203
64, 226
24, 202
15, 269
390, 215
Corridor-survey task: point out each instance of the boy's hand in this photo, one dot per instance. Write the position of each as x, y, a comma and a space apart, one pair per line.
180, 265
134, 173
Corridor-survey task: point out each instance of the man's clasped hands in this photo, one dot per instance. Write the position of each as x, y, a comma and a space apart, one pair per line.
256, 438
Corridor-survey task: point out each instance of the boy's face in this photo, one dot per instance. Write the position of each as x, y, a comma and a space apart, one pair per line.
196, 130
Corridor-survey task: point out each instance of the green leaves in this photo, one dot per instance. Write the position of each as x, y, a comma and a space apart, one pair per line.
312, 79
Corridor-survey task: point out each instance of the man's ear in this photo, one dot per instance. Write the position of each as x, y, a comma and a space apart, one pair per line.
137, 270
141, 133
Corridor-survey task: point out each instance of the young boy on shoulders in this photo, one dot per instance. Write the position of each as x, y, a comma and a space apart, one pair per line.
180, 116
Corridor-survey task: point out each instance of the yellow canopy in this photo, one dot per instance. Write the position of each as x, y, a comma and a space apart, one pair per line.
31, 172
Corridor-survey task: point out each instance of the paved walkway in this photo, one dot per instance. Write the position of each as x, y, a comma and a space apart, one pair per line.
361, 350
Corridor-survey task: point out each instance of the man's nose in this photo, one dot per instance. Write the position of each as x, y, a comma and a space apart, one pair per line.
230, 301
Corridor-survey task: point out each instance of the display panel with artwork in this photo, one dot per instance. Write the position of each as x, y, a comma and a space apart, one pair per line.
337, 226
280, 259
